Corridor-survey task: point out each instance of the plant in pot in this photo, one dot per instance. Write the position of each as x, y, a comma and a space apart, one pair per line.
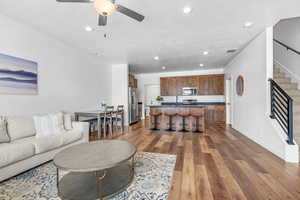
159, 99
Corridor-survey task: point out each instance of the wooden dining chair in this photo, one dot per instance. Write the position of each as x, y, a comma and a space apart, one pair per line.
108, 120
119, 117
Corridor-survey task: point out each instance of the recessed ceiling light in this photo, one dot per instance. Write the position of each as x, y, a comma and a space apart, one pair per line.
88, 28
164, 67
248, 24
201, 65
205, 52
156, 58
187, 9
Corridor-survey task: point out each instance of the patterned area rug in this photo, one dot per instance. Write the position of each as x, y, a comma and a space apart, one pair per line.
152, 181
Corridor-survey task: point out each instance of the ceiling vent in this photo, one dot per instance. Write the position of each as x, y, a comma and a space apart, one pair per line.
231, 50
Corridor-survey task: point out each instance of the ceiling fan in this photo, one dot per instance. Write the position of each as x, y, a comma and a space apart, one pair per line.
107, 7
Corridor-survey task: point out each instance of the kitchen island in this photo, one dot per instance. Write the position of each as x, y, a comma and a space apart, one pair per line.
211, 112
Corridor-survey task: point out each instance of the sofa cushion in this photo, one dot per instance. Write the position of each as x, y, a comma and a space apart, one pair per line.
4, 138
68, 122
57, 122
42, 144
43, 125
11, 153
20, 127
71, 136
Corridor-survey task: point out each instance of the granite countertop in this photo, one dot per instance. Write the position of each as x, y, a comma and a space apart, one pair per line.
197, 104
176, 106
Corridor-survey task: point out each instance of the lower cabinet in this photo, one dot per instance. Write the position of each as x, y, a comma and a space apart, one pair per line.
215, 114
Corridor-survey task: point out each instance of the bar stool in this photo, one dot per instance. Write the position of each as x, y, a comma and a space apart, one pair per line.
184, 113
155, 113
170, 113
197, 115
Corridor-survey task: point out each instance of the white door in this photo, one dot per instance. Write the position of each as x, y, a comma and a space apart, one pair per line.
228, 101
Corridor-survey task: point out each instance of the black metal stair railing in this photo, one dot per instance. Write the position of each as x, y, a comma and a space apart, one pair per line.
282, 109
286, 46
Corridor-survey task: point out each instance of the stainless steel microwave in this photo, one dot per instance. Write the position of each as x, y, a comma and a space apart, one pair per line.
189, 91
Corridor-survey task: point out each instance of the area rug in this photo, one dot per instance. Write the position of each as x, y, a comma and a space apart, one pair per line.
153, 177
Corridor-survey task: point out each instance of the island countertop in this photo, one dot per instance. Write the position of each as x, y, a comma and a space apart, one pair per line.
214, 112
195, 105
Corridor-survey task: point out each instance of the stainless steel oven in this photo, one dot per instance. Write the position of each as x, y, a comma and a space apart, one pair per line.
189, 91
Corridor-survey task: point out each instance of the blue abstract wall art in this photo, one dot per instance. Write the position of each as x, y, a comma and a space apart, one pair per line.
18, 76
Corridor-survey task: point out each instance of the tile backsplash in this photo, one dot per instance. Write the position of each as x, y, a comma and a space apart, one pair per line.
203, 98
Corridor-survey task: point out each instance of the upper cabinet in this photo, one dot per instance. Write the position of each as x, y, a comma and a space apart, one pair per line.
185, 81
206, 84
211, 85
168, 86
132, 81
164, 87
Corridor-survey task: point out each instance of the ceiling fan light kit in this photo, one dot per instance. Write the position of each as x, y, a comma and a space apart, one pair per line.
104, 7
107, 7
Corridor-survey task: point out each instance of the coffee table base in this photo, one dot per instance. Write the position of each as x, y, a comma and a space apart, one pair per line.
78, 186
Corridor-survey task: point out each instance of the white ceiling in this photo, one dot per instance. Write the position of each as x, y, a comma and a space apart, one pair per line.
178, 39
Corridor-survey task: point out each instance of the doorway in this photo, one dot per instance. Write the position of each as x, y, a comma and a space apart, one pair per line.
229, 86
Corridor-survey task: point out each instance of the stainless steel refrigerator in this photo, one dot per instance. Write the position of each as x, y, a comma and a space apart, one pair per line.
133, 105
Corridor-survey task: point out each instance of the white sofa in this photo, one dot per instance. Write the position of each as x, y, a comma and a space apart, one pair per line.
26, 151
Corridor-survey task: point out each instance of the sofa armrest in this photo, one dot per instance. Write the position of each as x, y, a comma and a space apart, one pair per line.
84, 128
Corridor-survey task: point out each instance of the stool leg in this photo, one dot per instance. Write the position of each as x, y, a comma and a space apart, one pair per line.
170, 124
155, 124
183, 125
197, 130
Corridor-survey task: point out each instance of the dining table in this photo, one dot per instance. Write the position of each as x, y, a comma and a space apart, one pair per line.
99, 115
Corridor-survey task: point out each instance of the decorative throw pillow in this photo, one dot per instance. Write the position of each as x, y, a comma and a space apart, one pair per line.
68, 122
57, 122
43, 125
4, 138
19, 127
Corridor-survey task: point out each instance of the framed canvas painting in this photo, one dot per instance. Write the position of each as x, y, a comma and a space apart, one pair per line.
18, 76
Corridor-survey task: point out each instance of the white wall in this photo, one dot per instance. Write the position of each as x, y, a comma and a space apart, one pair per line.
119, 83
68, 79
251, 111
288, 32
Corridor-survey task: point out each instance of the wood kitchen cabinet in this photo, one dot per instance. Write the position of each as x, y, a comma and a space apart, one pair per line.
186, 81
206, 84
219, 84
211, 85
172, 90
215, 113
135, 83
164, 87
193, 81
132, 81
180, 83
168, 86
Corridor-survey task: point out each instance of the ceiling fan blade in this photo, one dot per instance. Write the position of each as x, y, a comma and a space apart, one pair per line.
130, 13
102, 20
75, 1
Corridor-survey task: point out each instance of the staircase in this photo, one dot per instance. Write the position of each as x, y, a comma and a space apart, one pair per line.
285, 82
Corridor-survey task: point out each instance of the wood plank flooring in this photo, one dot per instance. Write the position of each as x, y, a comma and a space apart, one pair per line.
219, 164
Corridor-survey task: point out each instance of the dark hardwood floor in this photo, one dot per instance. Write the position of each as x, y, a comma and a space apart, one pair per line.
219, 164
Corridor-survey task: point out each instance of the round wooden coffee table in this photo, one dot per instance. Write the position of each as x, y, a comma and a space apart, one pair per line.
96, 170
